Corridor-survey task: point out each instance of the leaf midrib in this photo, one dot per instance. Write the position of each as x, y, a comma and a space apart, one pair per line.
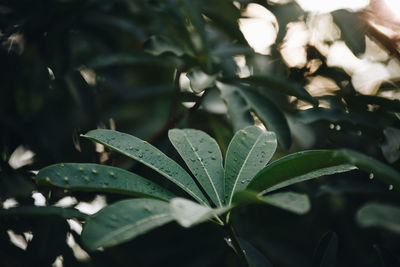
186, 189
204, 167
242, 167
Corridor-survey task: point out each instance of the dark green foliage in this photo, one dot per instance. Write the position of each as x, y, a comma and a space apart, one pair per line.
68, 67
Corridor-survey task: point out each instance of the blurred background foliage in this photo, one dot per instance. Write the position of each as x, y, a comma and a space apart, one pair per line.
319, 78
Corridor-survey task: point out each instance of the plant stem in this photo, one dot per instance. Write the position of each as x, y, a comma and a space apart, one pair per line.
236, 244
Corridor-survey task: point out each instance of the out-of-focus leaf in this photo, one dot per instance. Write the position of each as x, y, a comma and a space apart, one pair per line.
379, 215
238, 109
270, 115
35, 211
326, 252
150, 156
157, 45
114, 60
281, 85
203, 157
290, 201
123, 221
101, 178
391, 147
353, 29
248, 152
188, 213
199, 80
253, 255
387, 259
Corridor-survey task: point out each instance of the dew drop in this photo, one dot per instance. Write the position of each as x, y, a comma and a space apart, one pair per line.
243, 181
213, 158
371, 176
112, 174
47, 179
87, 179
338, 127
81, 169
390, 187
331, 126
145, 142
66, 179
140, 155
62, 165
94, 171
209, 151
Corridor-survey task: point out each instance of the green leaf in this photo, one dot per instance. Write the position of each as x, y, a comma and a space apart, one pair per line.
290, 201
248, 152
188, 213
326, 252
199, 80
238, 109
123, 221
298, 167
379, 215
353, 29
157, 45
203, 157
35, 211
150, 156
114, 60
101, 178
281, 84
270, 115
307, 165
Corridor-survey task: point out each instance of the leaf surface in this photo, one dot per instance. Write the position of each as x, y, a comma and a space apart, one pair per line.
248, 152
204, 159
123, 221
290, 201
101, 178
379, 215
150, 156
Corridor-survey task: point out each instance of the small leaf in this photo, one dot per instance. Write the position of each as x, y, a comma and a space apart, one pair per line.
101, 178
379, 215
199, 80
270, 115
35, 211
248, 152
290, 201
353, 29
326, 252
157, 45
391, 147
150, 156
123, 221
188, 213
203, 157
238, 109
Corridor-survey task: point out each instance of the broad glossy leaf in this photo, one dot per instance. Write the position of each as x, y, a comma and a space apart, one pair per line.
326, 252
298, 167
290, 201
199, 80
66, 213
123, 221
380, 215
248, 152
281, 84
203, 157
270, 115
150, 156
102, 178
238, 109
307, 165
188, 213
